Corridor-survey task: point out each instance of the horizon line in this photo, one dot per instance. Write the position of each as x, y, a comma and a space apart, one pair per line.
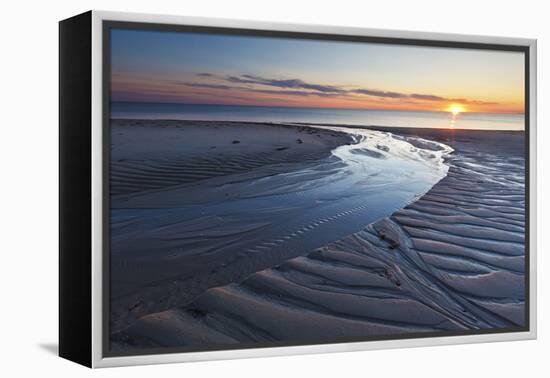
312, 107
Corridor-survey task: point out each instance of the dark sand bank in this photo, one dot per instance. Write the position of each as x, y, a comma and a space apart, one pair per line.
451, 260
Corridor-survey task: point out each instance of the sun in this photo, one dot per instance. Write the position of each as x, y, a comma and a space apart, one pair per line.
455, 109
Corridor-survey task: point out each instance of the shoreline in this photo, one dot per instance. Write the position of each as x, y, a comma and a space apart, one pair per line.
356, 117
308, 124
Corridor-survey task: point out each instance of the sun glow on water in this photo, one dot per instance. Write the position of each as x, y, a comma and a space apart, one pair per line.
455, 110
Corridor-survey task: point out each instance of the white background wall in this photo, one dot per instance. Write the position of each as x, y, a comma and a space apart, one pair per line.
28, 156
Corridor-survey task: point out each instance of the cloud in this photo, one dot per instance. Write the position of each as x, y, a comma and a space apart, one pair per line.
283, 83
293, 92
376, 93
204, 85
302, 88
229, 87
427, 97
288, 83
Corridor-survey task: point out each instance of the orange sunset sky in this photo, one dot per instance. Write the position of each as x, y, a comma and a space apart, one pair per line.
194, 68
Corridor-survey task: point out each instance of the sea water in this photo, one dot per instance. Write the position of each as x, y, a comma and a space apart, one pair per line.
362, 117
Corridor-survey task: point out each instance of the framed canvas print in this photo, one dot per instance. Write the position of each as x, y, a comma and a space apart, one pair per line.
235, 189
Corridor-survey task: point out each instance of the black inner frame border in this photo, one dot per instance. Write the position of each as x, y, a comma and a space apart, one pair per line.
107, 26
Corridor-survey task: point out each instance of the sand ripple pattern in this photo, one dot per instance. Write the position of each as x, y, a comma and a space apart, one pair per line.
454, 260
133, 176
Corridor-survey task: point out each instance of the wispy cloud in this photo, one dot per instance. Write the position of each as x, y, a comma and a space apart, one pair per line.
204, 85
242, 88
293, 92
286, 83
427, 97
299, 87
377, 93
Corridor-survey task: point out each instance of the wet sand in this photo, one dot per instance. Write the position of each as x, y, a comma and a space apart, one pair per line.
149, 154
176, 218
452, 259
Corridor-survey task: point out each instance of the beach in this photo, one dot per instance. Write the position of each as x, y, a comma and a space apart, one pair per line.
177, 152
228, 233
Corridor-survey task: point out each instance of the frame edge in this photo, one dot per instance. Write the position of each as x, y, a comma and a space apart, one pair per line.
75, 286
97, 356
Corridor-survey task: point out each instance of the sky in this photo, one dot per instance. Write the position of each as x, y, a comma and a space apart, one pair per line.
200, 68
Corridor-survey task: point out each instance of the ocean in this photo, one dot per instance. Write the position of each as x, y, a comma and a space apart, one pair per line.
356, 117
